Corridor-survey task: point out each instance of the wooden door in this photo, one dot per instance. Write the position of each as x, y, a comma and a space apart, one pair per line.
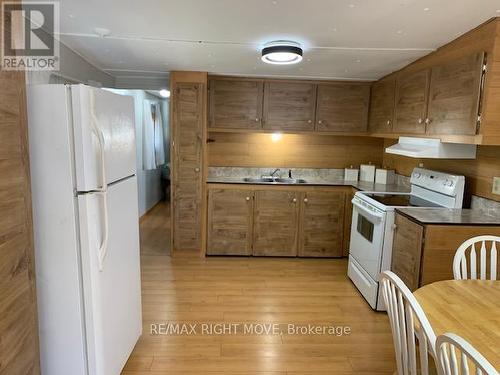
454, 96
342, 107
289, 105
275, 223
187, 129
407, 251
18, 312
321, 224
411, 102
235, 104
230, 222
382, 106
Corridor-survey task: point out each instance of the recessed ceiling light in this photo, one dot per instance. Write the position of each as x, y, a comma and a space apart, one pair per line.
282, 52
427, 9
358, 60
498, 10
352, 5
165, 93
274, 2
399, 32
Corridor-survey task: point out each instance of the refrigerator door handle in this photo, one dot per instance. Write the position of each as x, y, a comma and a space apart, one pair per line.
103, 191
103, 248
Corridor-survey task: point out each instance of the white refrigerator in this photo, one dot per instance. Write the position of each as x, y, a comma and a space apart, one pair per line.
85, 219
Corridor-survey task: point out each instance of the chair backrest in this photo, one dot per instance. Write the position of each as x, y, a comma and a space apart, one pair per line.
408, 323
468, 259
457, 357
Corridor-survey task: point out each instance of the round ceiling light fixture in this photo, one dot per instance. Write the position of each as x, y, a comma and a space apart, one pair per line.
282, 52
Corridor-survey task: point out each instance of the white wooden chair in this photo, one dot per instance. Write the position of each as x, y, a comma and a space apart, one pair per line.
457, 357
408, 323
466, 262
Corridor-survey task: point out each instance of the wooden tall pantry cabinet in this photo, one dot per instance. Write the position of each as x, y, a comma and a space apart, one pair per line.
188, 126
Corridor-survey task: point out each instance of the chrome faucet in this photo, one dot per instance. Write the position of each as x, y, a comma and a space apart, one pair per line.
273, 173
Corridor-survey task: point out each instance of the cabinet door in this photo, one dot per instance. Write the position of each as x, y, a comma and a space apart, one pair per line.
342, 107
187, 165
230, 219
411, 102
322, 224
289, 105
454, 96
275, 223
382, 106
236, 104
407, 251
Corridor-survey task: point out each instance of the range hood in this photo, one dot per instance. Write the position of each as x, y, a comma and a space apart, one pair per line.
429, 148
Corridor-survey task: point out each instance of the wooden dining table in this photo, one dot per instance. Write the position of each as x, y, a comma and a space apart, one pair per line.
468, 308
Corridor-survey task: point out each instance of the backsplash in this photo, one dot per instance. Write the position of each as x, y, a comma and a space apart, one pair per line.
486, 205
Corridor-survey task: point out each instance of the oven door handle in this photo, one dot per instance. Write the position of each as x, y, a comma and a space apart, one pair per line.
372, 215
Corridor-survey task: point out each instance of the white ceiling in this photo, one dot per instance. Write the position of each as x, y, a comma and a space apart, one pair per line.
345, 39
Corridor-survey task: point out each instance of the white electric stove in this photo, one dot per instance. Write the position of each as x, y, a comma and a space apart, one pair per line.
372, 229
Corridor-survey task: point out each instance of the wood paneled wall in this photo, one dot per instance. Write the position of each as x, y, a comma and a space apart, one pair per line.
293, 150
479, 172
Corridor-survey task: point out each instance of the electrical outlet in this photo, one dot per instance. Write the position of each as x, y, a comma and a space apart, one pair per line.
496, 185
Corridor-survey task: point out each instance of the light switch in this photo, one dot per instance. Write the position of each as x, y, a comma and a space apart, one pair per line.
496, 185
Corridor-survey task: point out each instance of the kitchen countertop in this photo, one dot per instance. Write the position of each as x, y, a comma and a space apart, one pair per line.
360, 185
456, 216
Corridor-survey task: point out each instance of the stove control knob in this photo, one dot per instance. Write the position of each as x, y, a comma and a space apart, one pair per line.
448, 183
417, 175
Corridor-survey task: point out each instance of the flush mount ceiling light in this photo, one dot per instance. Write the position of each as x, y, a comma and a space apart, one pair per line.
282, 52
165, 93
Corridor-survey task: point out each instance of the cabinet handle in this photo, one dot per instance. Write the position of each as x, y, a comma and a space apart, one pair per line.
197, 169
428, 121
257, 119
309, 121
420, 121
306, 200
320, 122
294, 200
388, 122
247, 198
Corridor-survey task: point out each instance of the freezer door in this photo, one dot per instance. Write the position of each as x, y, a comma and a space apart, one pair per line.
112, 296
114, 118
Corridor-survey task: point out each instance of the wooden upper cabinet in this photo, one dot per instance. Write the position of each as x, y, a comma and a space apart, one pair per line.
187, 128
322, 224
235, 104
407, 251
230, 222
275, 223
382, 106
411, 102
289, 105
454, 96
342, 107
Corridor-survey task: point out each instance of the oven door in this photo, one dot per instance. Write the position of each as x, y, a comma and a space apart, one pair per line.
367, 236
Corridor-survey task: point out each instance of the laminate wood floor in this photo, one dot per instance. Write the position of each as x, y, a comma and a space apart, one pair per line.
251, 293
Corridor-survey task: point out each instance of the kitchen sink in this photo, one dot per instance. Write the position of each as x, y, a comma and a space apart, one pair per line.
270, 180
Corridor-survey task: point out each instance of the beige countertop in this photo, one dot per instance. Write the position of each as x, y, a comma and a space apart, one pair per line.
445, 216
360, 185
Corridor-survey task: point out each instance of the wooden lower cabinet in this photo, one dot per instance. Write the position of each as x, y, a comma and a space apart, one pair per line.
276, 221
276, 217
230, 222
423, 253
407, 250
322, 224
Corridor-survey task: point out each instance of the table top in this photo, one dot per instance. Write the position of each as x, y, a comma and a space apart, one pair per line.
469, 308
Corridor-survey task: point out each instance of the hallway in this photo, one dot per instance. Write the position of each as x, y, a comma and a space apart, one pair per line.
261, 293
